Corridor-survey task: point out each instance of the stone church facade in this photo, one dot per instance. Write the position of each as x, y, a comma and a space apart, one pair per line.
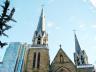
37, 56
38, 53
62, 63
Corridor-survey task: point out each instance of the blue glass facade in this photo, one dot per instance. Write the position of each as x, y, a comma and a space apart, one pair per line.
13, 58
19, 64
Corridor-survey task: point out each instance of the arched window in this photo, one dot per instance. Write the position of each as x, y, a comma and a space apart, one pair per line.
39, 40
34, 59
61, 58
38, 60
82, 59
78, 62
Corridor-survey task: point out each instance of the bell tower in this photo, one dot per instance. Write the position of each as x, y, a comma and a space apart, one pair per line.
40, 37
37, 59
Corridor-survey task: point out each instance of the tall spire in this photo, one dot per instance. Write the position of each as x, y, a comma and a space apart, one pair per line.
80, 56
41, 23
77, 46
40, 35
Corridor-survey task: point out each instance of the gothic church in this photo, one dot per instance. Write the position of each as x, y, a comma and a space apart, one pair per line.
37, 56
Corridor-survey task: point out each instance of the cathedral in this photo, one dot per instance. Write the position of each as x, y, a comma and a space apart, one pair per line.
35, 57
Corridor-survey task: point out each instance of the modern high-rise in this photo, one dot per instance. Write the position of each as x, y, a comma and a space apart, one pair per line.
13, 58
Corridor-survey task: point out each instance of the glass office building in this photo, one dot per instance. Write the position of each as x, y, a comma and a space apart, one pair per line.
13, 58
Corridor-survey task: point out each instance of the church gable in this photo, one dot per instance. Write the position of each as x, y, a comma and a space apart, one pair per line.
61, 57
62, 63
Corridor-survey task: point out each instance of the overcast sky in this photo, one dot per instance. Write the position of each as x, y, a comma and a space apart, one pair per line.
62, 16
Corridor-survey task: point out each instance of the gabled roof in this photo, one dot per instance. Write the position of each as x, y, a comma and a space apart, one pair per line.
66, 59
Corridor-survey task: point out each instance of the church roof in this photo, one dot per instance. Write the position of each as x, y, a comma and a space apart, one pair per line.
61, 52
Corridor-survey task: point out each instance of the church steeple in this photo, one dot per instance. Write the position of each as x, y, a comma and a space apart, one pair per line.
40, 35
41, 23
77, 46
80, 57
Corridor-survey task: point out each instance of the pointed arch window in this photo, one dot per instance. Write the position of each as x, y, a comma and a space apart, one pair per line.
39, 40
82, 59
78, 62
61, 58
34, 59
38, 60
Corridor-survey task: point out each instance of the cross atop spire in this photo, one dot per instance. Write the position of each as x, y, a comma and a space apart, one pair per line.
60, 45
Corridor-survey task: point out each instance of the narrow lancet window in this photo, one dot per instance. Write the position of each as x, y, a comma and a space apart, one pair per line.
61, 58
34, 59
39, 40
38, 60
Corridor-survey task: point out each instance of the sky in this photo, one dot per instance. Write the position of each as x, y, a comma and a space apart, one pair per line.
62, 17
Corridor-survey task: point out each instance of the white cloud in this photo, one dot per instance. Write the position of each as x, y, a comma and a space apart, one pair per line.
53, 25
93, 2
50, 24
